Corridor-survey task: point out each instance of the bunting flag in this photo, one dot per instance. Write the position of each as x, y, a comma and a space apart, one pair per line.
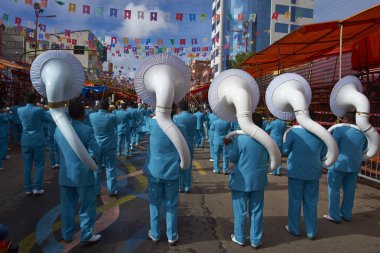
99, 11
227, 38
275, 15
125, 40
179, 16
147, 41
252, 17
192, 17
72, 7
67, 33
140, 15
113, 40
229, 16
74, 42
172, 41
153, 16
86, 9
90, 37
127, 14
42, 27
159, 42
5, 17
251, 42
298, 14
287, 15
30, 2
113, 12
240, 17
60, 3
182, 41
44, 3
17, 20
203, 17
137, 41
193, 41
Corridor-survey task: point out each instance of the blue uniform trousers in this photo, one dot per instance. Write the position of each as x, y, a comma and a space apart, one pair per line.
123, 138
346, 181
199, 138
87, 211
108, 158
211, 136
53, 152
3, 149
185, 175
163, 192
17, 131
134, 137
304, 192
218, 149
255, 202
32, 154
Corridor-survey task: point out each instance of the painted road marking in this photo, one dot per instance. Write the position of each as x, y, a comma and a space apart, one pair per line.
200, 169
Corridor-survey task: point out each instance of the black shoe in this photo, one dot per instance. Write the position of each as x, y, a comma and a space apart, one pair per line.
114, 194
174, 242
329, 218
226, 173
93, 239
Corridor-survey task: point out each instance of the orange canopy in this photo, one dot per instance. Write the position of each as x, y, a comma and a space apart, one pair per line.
5, 63
313, 41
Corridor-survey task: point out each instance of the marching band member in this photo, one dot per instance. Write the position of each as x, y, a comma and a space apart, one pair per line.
343, 174
76, 180
247, 183
305, 152
189, 121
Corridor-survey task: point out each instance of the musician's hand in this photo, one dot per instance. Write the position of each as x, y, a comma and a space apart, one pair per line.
227, 141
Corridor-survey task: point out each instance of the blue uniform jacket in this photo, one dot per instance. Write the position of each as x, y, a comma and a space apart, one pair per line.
87, 116
124, 118
5, 121
189, 121
15, 117
305, 153
250, 158
135, 117
73, 171
211, 119
200, 119
351, 143
32, 119
51, 125
277, 130
163, 160
105, 125
222, 128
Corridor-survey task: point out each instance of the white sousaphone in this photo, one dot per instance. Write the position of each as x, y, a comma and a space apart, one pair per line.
160, 80
288, 96
59, 77
347, 96
233, 96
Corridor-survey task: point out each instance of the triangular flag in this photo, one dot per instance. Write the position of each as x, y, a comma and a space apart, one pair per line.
60, 2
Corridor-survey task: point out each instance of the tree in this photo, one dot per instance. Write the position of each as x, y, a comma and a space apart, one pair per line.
239, 59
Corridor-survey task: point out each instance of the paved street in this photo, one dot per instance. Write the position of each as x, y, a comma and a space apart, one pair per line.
205, 215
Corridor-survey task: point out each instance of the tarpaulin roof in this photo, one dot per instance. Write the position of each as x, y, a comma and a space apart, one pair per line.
5, 63
313, 41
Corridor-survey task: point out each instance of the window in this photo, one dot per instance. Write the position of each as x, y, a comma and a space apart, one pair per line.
14, 44
282, 9
294, 1
294, 27
281, 28
298, 12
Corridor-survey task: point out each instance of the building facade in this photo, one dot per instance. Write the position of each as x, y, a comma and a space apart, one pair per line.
240, 26
82, 44
13, 43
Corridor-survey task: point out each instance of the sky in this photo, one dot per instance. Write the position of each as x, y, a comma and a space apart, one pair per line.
324, 10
